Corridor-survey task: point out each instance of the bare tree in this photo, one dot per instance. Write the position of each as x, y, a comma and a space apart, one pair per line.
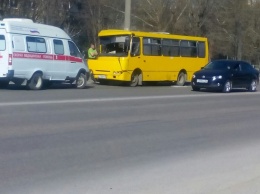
232, 26
231, 18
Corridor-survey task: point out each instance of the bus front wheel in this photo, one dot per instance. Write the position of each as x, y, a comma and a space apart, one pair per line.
135, 79
92, 76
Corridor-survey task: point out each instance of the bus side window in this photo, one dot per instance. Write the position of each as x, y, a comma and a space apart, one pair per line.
188, 48
201, 50
193, 48
152, 47
170, 47
146, 46
156, 47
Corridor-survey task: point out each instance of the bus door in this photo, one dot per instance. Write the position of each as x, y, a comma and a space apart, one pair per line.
152, 60
135, 60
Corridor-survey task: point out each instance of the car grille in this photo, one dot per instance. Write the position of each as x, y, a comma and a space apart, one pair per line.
204, 77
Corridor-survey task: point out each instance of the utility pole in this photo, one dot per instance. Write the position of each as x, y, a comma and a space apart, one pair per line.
127, 14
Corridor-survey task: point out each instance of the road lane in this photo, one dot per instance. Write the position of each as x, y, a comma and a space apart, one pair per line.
200, 143
115, 99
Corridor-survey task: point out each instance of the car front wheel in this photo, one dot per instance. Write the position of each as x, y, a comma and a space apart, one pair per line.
194, 88
227, 87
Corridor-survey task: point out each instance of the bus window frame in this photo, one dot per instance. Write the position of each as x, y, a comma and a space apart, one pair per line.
135, 51
171, 47
154, 45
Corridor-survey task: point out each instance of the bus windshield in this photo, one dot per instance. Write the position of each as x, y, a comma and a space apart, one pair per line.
114, 45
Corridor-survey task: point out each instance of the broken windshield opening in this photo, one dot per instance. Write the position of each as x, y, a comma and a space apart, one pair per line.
114, 45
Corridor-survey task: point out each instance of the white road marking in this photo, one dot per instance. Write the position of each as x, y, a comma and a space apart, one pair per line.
94, 100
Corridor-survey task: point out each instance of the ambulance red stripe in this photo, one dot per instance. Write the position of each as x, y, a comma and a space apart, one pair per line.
46, 57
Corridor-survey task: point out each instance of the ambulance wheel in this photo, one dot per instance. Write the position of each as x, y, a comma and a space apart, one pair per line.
81, 81
36, 82
47, 84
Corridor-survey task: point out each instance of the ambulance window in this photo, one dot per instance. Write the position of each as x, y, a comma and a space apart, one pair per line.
36, 44
74, 51
58, 47
2, 43
19, 44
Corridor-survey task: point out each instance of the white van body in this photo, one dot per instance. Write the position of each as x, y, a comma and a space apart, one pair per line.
33, 54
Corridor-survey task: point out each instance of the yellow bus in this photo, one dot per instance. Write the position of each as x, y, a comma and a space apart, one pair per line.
135, 57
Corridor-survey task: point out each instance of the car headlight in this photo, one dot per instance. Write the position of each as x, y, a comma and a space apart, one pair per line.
193, 76
216, 77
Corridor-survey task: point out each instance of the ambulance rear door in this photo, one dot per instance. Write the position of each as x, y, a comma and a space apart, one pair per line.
3, 53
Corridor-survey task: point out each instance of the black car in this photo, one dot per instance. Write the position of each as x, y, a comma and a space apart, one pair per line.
223, 75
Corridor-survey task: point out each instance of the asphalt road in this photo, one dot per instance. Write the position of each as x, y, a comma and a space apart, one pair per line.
144, 140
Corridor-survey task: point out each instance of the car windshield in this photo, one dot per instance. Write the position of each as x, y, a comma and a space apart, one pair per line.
114, 45
218, 65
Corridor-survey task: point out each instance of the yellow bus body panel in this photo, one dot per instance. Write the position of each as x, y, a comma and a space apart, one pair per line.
111, 68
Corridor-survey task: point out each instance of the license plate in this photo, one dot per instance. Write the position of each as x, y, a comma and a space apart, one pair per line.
202, 81
102, 76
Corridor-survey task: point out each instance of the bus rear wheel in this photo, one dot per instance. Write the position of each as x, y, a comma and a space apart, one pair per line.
181, 79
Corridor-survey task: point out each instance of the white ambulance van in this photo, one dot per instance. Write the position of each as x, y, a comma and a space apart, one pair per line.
37, 54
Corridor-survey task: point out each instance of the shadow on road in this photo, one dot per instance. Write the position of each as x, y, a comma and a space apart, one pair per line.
55, 86
203, 90
144, 84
